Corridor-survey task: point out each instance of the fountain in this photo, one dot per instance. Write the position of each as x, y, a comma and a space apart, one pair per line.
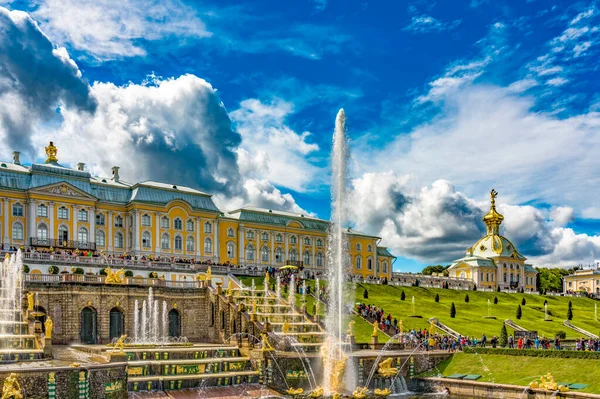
150, 328
489, 310
546, 314
278, 288
292, 290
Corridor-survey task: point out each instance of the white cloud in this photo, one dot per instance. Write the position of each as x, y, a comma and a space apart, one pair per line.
581, 48
426, 23
562, 215
108, 29
556, 81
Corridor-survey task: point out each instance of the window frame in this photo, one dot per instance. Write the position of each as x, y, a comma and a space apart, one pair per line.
17, 209
42, 211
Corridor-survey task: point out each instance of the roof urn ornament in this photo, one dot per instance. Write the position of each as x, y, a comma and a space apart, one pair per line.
51, 152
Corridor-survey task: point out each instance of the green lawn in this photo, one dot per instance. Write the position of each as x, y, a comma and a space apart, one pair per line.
521, 370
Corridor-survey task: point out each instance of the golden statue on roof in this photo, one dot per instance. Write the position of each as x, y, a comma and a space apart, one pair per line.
51, 152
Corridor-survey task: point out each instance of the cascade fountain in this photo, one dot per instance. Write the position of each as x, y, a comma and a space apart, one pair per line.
151, 326
278, 288
292, 291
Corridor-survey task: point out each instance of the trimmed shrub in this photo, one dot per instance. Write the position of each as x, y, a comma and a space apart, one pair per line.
366, 294
495, 300
128, 273
545, 302
437, 297
78, 270
498, 289
153, 275
570, 313
467, 298
503, 336
523, 302
564, 354
102, 272
53, 270
402, 296
452, 310
561, 334
519, 312
474, 287
25, 269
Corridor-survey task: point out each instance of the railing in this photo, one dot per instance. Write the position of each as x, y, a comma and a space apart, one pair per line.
69, 244
95, 279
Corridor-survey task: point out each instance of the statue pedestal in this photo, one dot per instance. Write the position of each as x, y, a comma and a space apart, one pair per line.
117, 357
351, 340
230, 299
374, 342
48, 348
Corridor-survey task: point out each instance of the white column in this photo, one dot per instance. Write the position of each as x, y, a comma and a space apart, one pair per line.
6, 221
216, 240
272, 258
51, 217
285, 253
375, 257
92, 214
242, 235
75, 235
110, 221
157, 233
198, 231
301, 254
31, 227
126, 243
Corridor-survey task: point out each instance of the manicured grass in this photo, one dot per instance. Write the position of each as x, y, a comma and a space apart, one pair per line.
469, 316
521, 370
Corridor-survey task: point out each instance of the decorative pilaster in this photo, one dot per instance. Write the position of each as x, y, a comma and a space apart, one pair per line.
215, 229
157, 247
198, 234
51, 218
242, 235
6, 220
111, 222
31, 225
92, 213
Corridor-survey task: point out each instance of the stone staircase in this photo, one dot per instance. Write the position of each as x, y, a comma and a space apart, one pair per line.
514, 325
581, 331
438, 324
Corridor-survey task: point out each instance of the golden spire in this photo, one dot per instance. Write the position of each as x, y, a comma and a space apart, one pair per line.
493, 219
51, 152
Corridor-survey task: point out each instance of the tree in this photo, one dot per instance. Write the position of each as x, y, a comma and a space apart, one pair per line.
467, 298
498, 289
570, 313
551, 279
495, 300
503, 336
366, 294
474, 287
437, 297
523, 302
452, 310
519, 312
402, 296
429, 270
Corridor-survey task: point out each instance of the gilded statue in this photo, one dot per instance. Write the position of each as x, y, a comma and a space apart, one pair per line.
385, 368
51, 152
401, 327
317, 392
351, 328
360, 393
431, 328
48, 324
229, 290
382, 393
266, 346
375, 328
30, 300
206, 277
267, 279
547, 383
286, 327
120, 344
294, 392
114, 277
11, 388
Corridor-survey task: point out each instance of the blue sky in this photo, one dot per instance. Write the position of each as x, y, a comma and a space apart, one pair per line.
444, 101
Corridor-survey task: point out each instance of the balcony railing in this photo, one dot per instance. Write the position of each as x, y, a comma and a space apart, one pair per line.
66, 244
95, 279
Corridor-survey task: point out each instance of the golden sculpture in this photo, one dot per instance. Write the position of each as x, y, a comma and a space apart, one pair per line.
385, 368
294, 392
205, 277
351, 328
267, 277
30, 301
265, 345
335, 362
317, 392
360, 393
51, 152
114, 277
229, 290
547, 383
375, 328
286, 327
401, 327
11, 388
431, 328
48, 324
382, 393
120, 344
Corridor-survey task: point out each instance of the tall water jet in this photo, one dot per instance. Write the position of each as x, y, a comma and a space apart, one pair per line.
136, 320
165, 328
292, 289
334, 357
278, 288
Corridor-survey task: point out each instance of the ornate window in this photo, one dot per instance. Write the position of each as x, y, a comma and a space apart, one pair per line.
42, 232
279, 237
293, 239
278, 255
264, 236
42, 211
250, 252
146, 220
306, 241
119, 221
63, 213
293, 255
481, 276
319, 259
164, 241
207, 228
164, 222
82, 234
100, 219
250, 234
146, 239
369, 248
463, 274
82, 216
178, 243
230, 232
17, 209
63, 233
230, 250
189, 243
207, 246
189, 225
358, 247
264, 254
178, 224
306, 258
319, 242
100, 238
358, 262
17, 231
377, 265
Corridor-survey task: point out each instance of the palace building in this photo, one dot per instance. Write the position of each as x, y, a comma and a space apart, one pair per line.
494, 261
53, 206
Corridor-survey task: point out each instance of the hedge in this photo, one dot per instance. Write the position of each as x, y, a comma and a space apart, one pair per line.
564, 354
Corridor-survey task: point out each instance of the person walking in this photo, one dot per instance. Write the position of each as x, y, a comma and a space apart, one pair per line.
511, 342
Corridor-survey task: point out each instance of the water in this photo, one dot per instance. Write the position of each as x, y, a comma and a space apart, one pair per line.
11, 294
151, 326
278, 288
292, 290
546, 311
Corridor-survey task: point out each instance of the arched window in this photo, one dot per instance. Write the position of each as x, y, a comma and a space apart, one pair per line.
146, 239
164, 241
189, 225
63, 233
278, 255
207, 227
250, 252
265, 254
100, 238
100, 219
265, 236
279, 238
178, 243
42, 211
319, 242
319, 259
189, 245
306, 258
505, 277
208, 246
174, 323
358, 262
250, 235
230, 250
42, 232
164, 222
293, 239
463, 274
376, 266
481, 276
82, 215
119, 221
370, 264
385, 267
358, 247
82, 234
17, 209
293, 255
119, 240
178, 224
230, 232
63, 213
146, 220
369, 248
306, 241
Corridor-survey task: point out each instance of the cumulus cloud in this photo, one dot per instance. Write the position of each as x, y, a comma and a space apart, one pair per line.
108, 29
35, 79
562, 215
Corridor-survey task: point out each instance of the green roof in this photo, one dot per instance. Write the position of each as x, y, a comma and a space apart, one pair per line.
383, 251
278, 218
